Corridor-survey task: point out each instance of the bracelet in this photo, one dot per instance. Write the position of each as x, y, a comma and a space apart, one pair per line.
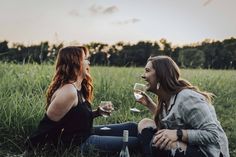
179, 134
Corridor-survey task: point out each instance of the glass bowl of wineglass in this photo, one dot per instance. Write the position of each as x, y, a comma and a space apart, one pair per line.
138, 88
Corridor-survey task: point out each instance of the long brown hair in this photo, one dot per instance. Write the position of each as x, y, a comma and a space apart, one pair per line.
168, 75
69, 64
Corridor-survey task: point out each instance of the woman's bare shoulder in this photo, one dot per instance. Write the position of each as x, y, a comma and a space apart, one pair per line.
65, 98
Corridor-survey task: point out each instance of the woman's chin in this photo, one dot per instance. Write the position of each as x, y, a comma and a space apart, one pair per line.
150, 89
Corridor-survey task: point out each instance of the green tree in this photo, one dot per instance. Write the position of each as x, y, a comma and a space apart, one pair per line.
191, 57
4, 47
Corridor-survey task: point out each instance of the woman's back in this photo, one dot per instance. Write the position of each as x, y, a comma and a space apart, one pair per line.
75, 126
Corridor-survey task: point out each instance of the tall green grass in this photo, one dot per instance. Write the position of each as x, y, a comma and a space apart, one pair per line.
22, 100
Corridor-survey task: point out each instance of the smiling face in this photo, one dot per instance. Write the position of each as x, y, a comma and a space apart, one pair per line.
150, 77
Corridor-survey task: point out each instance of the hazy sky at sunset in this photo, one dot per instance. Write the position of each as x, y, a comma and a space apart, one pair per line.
110, 21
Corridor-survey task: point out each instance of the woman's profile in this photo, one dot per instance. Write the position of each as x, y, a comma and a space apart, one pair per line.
185, 122
68, 119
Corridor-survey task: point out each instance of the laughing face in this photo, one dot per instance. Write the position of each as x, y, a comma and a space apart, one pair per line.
150, 77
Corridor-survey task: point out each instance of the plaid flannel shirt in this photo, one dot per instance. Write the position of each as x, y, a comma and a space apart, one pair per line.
192, 112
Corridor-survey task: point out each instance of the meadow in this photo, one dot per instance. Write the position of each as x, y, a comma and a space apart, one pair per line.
22, 100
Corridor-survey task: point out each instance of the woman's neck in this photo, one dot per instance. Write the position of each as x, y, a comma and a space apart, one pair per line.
164, 96
78, 83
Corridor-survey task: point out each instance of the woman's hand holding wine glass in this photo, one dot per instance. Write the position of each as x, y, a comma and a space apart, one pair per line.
140, 95
142, 98
105, 108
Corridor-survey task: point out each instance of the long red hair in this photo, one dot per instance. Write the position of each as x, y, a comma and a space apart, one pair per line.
69, 64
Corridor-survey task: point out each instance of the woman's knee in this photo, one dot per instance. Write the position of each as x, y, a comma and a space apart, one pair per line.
145, 123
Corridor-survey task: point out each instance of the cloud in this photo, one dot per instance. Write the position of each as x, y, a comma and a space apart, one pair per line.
74, 13
207, 2
103, 10
129, 21
110, 10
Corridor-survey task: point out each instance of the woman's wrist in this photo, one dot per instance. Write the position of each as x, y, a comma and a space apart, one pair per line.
96, 113
152, 107
185, 136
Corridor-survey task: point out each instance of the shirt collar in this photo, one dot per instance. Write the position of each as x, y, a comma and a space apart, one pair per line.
172, 101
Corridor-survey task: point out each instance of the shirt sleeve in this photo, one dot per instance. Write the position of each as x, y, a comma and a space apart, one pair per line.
196, 114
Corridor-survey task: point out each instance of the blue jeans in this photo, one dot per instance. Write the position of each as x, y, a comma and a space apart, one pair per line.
111, 140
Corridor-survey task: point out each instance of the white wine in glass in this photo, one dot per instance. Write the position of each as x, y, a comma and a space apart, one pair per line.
138, 88
106, 106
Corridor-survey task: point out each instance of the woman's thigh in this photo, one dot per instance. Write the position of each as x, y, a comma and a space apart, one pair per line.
116, 129
108, 143
146, 123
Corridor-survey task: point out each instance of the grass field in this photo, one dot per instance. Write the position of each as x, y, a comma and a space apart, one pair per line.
22, 99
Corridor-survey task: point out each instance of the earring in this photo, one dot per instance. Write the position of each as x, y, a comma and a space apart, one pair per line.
158, 85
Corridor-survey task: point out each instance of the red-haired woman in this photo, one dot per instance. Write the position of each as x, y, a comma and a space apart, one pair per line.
69, 116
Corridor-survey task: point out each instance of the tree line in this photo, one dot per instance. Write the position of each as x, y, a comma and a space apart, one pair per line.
207, 54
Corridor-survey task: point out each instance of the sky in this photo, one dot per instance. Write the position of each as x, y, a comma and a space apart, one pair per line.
110, 21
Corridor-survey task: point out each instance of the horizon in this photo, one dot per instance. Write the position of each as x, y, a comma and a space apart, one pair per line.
180, 22
10, 44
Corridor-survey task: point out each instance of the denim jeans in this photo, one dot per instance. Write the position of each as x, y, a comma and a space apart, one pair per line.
111, 140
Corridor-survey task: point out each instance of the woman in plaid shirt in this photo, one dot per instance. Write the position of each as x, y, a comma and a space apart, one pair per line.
185, 123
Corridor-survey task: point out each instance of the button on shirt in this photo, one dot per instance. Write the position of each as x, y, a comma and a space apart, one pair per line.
192, 112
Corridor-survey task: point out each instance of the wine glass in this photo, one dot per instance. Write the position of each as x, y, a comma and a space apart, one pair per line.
138, 88
106, 107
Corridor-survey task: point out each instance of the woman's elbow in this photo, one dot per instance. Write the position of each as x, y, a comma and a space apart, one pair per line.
214, 137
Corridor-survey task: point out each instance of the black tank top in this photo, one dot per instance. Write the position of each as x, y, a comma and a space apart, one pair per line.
77, 124
74, 128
